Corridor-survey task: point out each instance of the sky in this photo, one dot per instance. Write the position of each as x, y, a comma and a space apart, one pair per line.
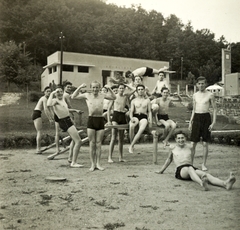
221, 17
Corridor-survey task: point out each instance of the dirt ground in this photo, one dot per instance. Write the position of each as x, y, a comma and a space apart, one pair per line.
125, 196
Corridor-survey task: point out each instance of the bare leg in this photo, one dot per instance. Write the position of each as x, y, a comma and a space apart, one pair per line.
120, 145
92, 148
38, 127
218, 182
111, 147
172, 127
99, 138
75, 145
196, 175
142, 125
205, 155
70, 155
132, 126
194, 144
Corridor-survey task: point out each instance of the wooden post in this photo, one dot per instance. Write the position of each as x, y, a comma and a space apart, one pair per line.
155, 146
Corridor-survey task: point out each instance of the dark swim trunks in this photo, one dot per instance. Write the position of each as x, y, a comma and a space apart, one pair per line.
178, 171
56, 119
140, 116
36, 114
200, 125
119, 117
65, 123
148, 72
96, 123
163, 117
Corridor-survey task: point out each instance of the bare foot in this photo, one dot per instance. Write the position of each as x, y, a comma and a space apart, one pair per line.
39, 152
204, 168
110, 161
51, 157
205, 182
75, 165
99, 168
92, 168
121, 160
230, 181
130, 149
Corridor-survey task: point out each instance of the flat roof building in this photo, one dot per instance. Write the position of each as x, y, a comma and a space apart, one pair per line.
81, 68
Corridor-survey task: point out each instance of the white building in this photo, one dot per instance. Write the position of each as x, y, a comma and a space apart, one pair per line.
232, 84
81, 68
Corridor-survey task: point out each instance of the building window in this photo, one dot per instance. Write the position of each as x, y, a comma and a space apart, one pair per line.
67, 68
54, 69
49, 70
83, 69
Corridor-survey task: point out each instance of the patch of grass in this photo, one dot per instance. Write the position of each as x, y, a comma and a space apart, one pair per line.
110, 226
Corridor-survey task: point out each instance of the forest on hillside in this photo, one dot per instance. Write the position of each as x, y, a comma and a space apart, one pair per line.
93, 27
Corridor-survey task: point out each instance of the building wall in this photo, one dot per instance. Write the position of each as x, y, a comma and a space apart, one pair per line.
96, 64
232, 84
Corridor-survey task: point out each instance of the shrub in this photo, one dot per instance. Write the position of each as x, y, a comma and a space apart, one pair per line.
35, 96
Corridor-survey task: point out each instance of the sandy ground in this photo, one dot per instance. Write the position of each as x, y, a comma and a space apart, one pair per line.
125, 196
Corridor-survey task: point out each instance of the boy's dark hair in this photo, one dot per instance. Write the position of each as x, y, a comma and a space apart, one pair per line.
46, 88
114, 87
140, 85
67, 83
161, 72
179, 132
121, 84
164, 88
59, 86
137, 76
201, 78
128, 73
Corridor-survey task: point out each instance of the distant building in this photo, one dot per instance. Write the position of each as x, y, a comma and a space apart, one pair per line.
232, 84
81, 68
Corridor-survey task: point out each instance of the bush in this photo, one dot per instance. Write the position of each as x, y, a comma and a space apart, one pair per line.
35, 96
190, 106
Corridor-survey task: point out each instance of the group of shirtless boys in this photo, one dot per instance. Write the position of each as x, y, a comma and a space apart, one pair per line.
141, 113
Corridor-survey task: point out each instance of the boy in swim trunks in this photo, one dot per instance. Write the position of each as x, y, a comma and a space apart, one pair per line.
37, 119
182, 155
200, 123
142, 71
140, 114
67, 99
161, 82
95, 125
62, 112
118, 118
161, 115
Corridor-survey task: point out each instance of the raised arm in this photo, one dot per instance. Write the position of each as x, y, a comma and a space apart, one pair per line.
77, 93
131, 90
167, 162
50, 101
110, 105
110, 95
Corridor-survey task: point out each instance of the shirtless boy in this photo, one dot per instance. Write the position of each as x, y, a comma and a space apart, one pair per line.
161, 82
200, 123
118, 118
161, 115
62, 112
140, 114
67, 99
37, 119
95, 125
143, 71
182, 155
